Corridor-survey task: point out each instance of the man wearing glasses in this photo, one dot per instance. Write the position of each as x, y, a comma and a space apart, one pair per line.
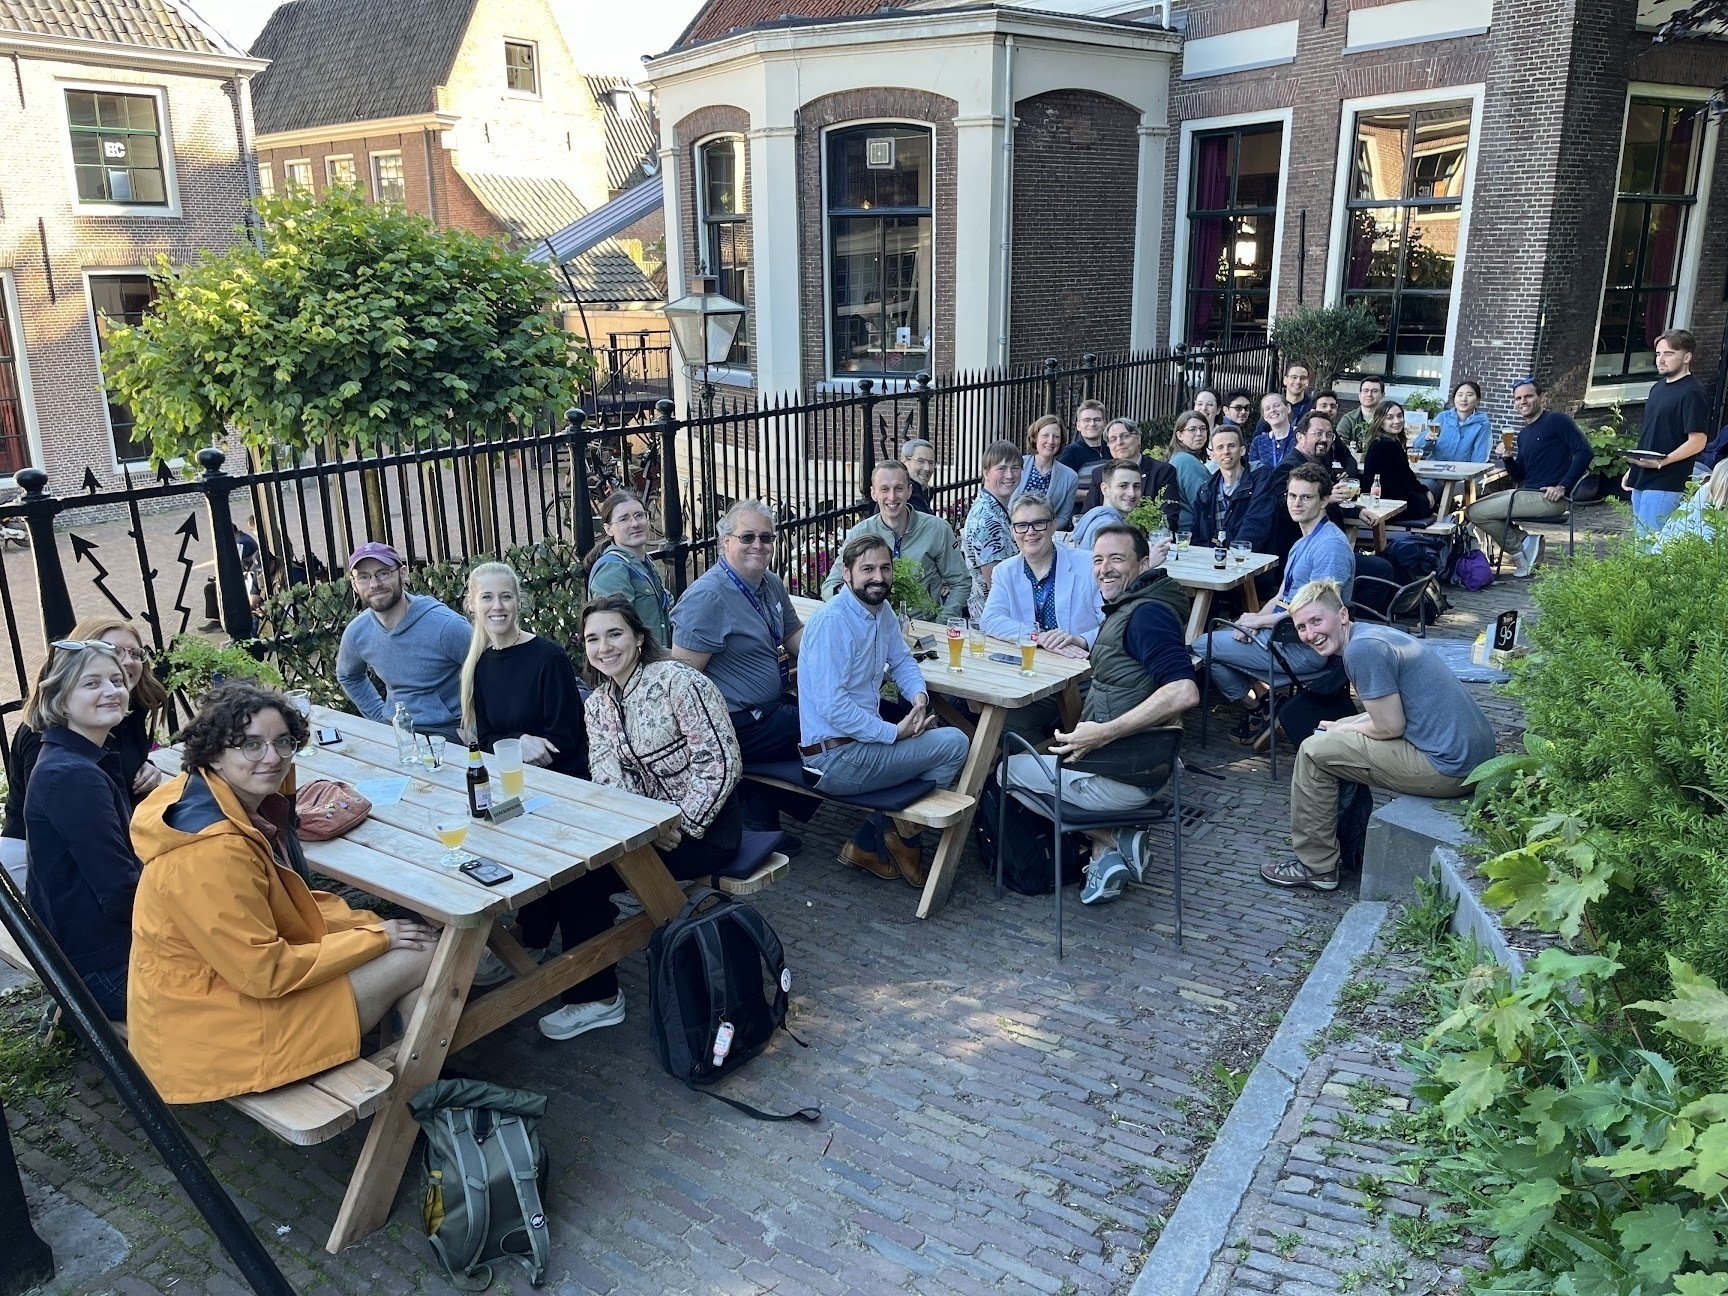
413, 643
737, 625
1237, 411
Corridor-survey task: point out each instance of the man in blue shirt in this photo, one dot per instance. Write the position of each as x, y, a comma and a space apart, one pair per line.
1297, 380
848, 643
1242, 657
1552, 455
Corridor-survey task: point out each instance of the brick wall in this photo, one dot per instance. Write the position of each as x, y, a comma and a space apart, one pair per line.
703, 124
36, 185
411, 144
1076, 165
855, 106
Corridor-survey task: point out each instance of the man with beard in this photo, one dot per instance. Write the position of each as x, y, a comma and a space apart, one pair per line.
848, 643
412, 642
1142, 677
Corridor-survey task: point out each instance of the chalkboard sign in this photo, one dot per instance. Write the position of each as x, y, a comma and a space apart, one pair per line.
1505, 631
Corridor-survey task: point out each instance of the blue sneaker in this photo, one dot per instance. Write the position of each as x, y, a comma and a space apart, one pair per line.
1104, 878
1135, 848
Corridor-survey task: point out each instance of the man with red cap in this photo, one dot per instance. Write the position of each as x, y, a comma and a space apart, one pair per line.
411, 642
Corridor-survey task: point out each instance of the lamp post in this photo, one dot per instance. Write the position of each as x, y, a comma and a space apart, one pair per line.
704, 325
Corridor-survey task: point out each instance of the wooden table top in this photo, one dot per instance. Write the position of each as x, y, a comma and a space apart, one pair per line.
395, 852
1192, 568
980, 679
1450, 470
1379, 510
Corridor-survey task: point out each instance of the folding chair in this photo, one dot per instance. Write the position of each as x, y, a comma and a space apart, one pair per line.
1148, 759
1405, 600
1283, 635
1502, 542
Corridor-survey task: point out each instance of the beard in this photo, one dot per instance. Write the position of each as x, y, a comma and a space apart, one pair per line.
871, 593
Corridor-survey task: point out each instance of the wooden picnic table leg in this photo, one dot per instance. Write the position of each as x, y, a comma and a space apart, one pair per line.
1198, 612
1250, 595
645, 873
1068, 705
973, 775
1445, 499
419, 1059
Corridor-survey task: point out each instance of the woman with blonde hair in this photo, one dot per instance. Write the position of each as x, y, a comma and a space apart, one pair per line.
1704, 512
127, 754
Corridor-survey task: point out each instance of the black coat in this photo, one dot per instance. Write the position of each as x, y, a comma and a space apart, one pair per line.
127, 750
1209, 520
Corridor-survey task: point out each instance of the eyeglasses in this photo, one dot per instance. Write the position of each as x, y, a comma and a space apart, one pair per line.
1239, 405
753, 537
253, 748
1036, 524
376, 578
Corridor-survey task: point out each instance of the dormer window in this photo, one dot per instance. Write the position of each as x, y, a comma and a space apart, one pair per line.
522, 67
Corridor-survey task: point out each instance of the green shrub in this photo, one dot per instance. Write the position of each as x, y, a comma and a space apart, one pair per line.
301, 628
1328, 339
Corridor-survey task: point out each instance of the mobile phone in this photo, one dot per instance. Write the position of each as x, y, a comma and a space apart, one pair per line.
329, 736
486, 872
1007, 659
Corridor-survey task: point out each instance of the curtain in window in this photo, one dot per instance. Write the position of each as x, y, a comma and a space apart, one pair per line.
1211, 193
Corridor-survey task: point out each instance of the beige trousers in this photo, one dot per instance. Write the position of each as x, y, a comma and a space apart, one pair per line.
1334, 756
1498, 515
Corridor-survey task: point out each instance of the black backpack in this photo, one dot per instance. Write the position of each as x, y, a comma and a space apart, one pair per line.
1355, 808
1026, 864
705, 975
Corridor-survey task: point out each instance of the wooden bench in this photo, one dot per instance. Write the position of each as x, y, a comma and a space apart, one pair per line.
770, 871
303, 1113
937, 809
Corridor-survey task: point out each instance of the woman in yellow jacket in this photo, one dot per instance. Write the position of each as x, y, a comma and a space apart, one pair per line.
242, 978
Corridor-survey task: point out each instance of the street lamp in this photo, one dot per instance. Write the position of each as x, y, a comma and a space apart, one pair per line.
704, 325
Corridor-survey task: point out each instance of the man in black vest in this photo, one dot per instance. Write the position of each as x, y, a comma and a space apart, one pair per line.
1142, 677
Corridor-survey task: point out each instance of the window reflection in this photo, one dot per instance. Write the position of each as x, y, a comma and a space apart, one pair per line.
879, 184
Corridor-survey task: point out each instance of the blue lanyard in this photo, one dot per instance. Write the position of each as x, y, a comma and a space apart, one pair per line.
782, 658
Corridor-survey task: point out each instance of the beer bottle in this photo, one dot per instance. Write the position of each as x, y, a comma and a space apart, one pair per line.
479, 790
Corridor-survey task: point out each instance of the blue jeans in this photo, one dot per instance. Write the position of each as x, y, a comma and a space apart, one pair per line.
1651, 508
868, 767
108, 988
1236, 665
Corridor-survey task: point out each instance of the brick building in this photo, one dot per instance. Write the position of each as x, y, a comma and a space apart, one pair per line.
1511, 187
127, 138
471, 112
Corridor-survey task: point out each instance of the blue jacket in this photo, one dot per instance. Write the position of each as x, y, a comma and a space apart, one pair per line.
1459, 443
83, 871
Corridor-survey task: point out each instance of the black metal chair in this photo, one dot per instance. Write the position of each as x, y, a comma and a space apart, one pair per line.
1502, 542
1404, 600
1283, 636
1148, 759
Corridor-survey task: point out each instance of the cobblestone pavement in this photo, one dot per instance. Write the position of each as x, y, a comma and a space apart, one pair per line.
994, 1121
1332, 1208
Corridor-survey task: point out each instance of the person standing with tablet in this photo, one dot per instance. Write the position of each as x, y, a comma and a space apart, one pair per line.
1676, 430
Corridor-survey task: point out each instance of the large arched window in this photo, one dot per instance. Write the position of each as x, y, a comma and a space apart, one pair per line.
879, 249
723, 228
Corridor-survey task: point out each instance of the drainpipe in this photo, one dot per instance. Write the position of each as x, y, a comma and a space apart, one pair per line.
1007, 245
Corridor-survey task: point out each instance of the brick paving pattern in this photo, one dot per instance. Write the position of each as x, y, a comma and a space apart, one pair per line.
994, 1121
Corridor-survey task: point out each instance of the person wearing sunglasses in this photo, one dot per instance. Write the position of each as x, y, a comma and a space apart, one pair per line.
1237, 409
243, 978
126, 756
82, 872
736, 624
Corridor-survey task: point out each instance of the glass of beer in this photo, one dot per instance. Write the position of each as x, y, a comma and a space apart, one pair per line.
1240, 552
956, 642
1028, 650
1509, 443
975, 639
452, 829
509, 754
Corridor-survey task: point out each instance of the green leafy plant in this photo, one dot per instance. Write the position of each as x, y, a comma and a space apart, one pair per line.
1151, 515
1609, 442
196, 665
908, 595
342, 319
1328, 339
1426, 399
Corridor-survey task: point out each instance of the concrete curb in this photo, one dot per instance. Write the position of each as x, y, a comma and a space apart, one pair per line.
1183, 1256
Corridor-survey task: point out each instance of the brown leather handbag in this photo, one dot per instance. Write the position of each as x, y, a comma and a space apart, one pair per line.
328, 808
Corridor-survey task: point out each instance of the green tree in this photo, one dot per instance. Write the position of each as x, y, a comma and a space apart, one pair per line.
1328, 339
343, 321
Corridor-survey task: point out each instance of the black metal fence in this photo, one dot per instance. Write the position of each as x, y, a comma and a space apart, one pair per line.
485, 490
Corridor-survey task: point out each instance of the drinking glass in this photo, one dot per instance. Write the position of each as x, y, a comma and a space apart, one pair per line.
975, 639
1184, 539
1028, 650
509, 754
302, 700
1240, 551
434, 757
452, 829
956, 640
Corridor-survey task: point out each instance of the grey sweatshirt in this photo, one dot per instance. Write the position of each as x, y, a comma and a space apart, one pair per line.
420, 662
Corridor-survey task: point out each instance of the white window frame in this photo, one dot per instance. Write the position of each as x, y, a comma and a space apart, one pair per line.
329, 176
107, 272
372, 173
539, 90
1349, 110
26, 396
289, 186
1691, 250
164, 142
266, 180
1184, 165
730, 375
881, 383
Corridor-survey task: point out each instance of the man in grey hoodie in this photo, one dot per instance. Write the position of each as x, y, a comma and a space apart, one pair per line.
412, 642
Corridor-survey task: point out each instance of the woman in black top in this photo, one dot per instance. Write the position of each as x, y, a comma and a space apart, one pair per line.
126, 757
521, 685
1388, 460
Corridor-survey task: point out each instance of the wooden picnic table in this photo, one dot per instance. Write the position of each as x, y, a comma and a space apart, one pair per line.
1449, 473
1374, 514
394, 854
1192, 569
996, 688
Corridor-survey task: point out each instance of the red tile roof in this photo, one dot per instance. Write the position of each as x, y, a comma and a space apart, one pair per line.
719, 17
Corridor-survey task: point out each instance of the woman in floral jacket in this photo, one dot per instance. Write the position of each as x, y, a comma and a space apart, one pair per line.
659, 728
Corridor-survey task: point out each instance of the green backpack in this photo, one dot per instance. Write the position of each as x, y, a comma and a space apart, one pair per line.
484, 1176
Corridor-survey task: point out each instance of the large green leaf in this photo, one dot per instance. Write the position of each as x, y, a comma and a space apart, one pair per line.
1476, 1080
1662, 1237
1710, 1174
1701, 1284
1674, 1154
1698, 1012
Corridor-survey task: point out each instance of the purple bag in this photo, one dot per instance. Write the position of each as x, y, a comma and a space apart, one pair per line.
1472, 571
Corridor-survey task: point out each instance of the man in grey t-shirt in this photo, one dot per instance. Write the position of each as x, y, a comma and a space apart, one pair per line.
1420, 731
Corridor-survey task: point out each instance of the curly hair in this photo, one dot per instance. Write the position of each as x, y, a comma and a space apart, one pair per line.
221, 722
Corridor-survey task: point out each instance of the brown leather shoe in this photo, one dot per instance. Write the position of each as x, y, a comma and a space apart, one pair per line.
854, 857
909, 856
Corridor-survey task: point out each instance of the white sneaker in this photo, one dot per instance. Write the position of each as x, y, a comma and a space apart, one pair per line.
574, 1019
1531, 552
